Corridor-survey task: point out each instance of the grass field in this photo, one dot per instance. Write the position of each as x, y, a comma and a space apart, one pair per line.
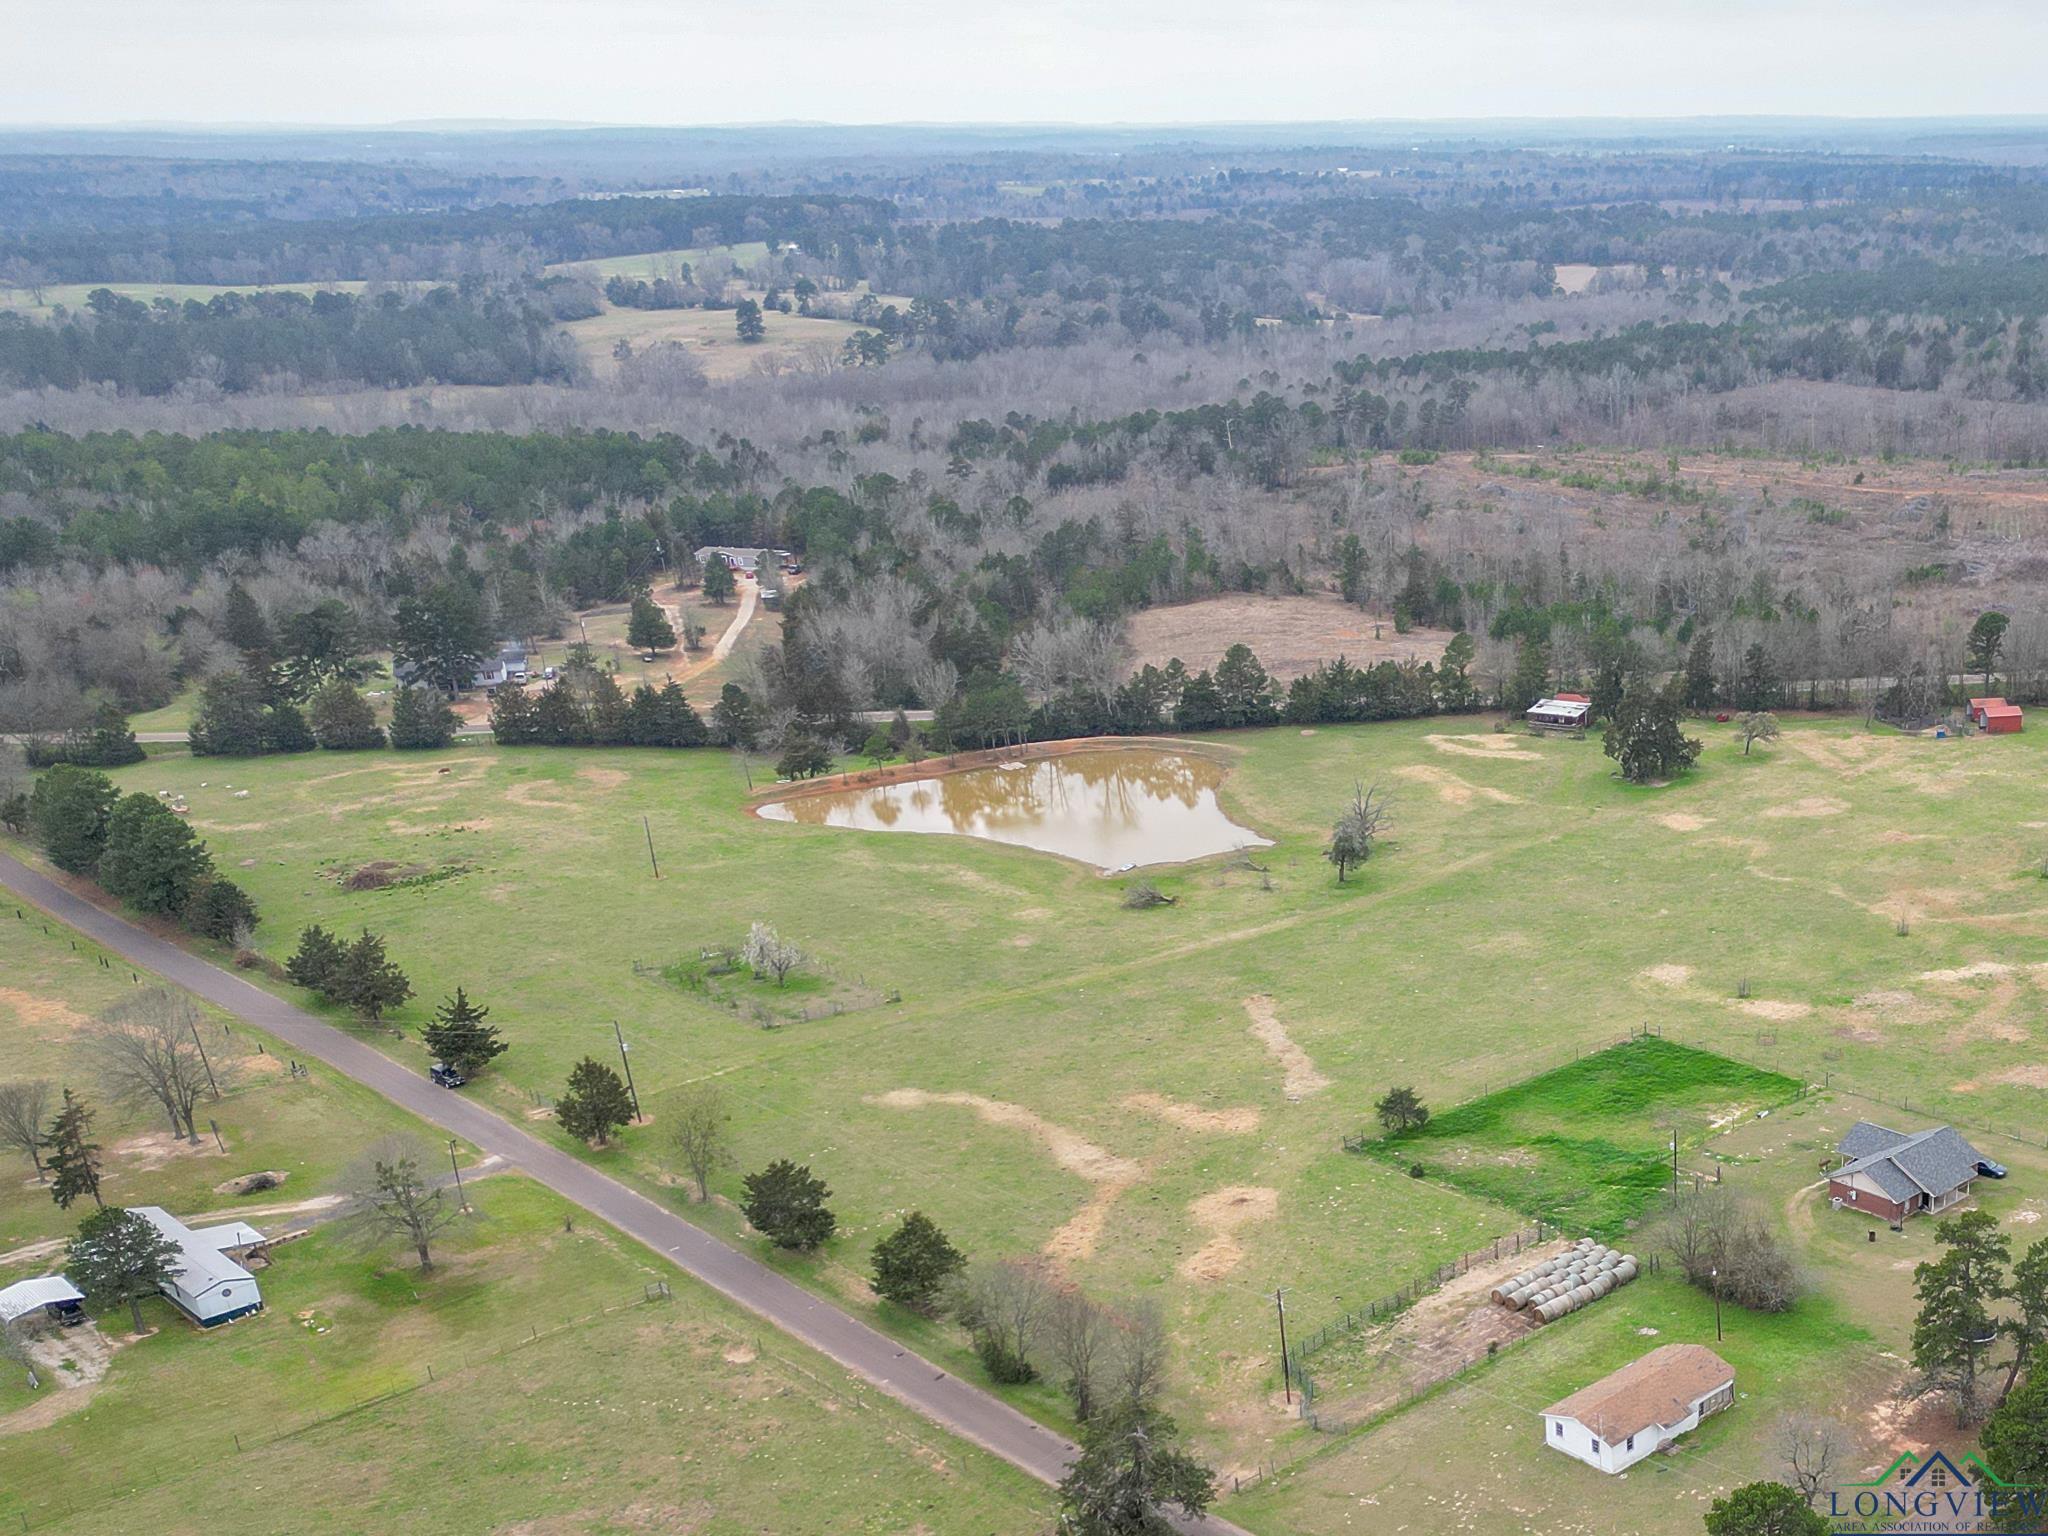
1587, 1146
649, 265
1158, 1098
74, 295
527, 1378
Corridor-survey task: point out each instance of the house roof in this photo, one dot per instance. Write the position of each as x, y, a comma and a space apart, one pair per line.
26, 1296
2001, 712
1655, 1391
1560, 706
1904, 1164
1984, 702
1575, 698
198, 1266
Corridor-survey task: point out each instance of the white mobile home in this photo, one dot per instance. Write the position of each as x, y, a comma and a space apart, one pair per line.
1623, 1417
205, 1284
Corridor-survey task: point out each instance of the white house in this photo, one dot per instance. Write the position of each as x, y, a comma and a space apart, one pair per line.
1620, 1419
206, 1284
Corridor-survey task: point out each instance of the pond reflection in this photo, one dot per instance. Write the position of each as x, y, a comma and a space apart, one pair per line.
1113, 809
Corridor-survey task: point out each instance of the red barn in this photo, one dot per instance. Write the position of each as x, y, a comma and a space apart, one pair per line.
2001, 719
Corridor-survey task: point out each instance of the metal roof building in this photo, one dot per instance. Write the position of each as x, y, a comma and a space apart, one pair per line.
52, 1293
205, 1284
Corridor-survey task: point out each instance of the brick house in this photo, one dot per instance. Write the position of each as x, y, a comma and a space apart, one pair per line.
1896, 1174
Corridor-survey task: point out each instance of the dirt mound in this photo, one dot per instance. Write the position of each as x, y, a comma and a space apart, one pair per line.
1301, 1077
1192, 1117
377, 874
252, 1183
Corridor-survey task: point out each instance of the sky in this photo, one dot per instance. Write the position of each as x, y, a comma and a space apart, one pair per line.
1011, 61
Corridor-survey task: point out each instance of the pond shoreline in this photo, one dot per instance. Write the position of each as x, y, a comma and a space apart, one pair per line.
784, 790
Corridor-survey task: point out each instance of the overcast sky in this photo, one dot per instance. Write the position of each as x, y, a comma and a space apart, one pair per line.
1097, 61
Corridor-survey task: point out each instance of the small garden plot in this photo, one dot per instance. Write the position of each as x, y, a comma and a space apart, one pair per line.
1588, 1146
770, 981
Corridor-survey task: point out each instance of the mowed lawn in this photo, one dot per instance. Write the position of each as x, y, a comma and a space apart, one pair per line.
528, 1382
526, 1378
1159, 1097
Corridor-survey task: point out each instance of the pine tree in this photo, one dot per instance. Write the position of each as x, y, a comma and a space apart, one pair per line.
220, 910
458, 1035
787, 1205
607, 712
243, 625
422, 721
733, 721
1645, 740
681, 725
596, 1103
2015, 1441
719, 585
342, 718
120, 1256
153, 861
1130, 1465
1757, 689
366, 981
69, 809
1530, 680
647, 627
1700, 691
914, 1262
512, 718
315, 961
71, 1154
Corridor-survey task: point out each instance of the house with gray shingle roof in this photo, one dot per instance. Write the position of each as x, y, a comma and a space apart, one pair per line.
1896, 1174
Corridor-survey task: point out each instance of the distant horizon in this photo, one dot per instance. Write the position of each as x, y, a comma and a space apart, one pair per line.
1134, 63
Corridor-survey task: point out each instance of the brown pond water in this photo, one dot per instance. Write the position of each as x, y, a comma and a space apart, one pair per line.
1115, 809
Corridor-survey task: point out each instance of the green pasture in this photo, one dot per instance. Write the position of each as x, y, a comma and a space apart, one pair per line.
1059, 1071
1588, 1146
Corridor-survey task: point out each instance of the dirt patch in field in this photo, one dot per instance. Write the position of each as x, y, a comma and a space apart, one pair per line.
1668, 975
1768, 1008
1300, 1077
1072, 1151
67, 1387
1501, 747
426, 829
1974, 971
1192, 1117
1221, 1214
34, 1010
1812, 807
1681, 821
1451, 789
1290, 635
149, 1153
1895, 838
606, 779
2033, 1075
1077, 1238
535, 797
375, 875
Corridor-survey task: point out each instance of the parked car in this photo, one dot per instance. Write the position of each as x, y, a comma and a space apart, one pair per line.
445, 1075
1992, 1170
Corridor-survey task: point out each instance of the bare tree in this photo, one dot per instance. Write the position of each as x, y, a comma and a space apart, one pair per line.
1137, 1370
146, 1050
389, 1196
698, 1131
24, 1106
1005, 1305
767, 953
1080, 1336
1811, 1448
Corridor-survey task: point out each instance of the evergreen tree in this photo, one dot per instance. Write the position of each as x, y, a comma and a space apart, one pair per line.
607, 712
1956, 1291
314, 963
648, 627
748, 322
458, 1035
1454, 690
319, 645
1700, 690
220, 910
442, 636
421, 720
733, 721
232, 719
719, 584
1130, 1467
1645, 740
512, 718
105, 742
1757, 689
152, 861
1765, 1509
595, 1104
643, 718
1530, 679
119, 1256
681, 725
804, 757
785, 1204
1244, 688
243, 625
69, 810
285, 729
342, 718
1201, 704
914, 1262
2015, 1442
71, 1155
1986, 642
558, 720
366, 981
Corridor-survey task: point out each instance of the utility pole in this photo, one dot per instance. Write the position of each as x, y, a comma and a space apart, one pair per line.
628, 1065
1674, 1163
462, 1198
1715, 1275
194, 1023
1286, 1372
644, 827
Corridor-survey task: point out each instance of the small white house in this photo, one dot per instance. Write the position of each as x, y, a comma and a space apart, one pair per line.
1621, 1418
206, 1284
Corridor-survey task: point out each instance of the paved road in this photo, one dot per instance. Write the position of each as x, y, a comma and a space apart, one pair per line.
964, 1409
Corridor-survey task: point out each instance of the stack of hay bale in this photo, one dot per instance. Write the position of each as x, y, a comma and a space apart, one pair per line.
1584, 1272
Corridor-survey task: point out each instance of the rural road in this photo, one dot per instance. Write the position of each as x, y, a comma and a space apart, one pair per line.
955, 1405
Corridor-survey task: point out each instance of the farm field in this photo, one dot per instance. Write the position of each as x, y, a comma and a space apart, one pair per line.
73, 295
652, 264
668, 1409
1290, 635
1157, 1099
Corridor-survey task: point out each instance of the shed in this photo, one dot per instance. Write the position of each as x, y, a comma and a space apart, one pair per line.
52, 1295
1566, 712
1624, 1416
2001, 720
205, 1284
